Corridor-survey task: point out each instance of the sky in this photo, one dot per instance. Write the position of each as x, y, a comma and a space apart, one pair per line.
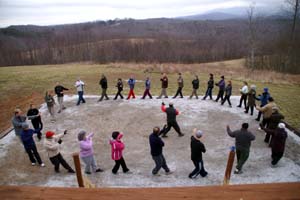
50, 12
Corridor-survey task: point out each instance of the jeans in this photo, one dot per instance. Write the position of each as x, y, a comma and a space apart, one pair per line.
80, 97
89, 163
179, 92
160, 162
119, 94
227, 97
33, 154
120, 162
58, 159
220, 95
199, 169
208, 93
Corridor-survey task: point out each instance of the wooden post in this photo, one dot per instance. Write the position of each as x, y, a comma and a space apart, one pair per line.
78, 169
229, 166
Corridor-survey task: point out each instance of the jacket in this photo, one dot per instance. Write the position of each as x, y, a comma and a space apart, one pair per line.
221, 84
195, 83
210, 83
251, 97
267, 109
242, 137
180, 82
59, 90
263, 98
275, 119
32, 114
103, 83
120, 85
197, 147
164, 82
117, 147
17, 124
156, 144
171, 113
228, 90
52, 145
148, 84
279, 136
131, 83
27, 138
86, 146
49, 100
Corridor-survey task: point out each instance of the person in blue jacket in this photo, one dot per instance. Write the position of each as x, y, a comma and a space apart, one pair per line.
263, 98
147, 88
131, 83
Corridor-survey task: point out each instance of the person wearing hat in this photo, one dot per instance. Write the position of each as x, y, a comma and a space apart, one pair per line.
263, 98
243, 139
274, 120
164, 86
195, 84
34, 115
29, 145
103, 84
117, 147
17, 121
210, 86
279, 136
87, 152
251, 99
59, 91
221, 85
52, 144
171, 119
244, 94
197, 148
180, 86
228, 92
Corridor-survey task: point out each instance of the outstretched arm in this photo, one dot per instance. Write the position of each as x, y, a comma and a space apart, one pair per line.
163, 107
230, 133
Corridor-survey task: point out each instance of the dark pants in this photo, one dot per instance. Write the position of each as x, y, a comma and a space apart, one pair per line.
33, 154
251, 109
147, 92
220, 95
174, 125
259, 113
242, 156
265, 123
58, 159
227, 97
243, 98
119, 94
160, 162
80, 97
117, 166
208, 93
179, 92
276, 156
199, 169
38, 126
103, 95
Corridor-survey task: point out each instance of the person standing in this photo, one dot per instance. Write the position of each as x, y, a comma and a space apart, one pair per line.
147, 88
251, 99
117, 147
210, 86
243, 140
263, 98
34, 115
197, 148
120, 89
87, 152
29, 145
221, 86
228, 92
244, 93
17, 121
195, 84
156, 146
171, 119
79, 84
180, 86
50, 104
164, 86
59, 91
103, 84
131, 83
52, 144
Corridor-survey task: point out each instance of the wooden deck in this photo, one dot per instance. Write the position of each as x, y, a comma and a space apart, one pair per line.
286, 191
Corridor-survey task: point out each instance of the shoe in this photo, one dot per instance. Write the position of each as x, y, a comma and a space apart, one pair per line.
181, 134
169, 172
190, 176
128, 172
236, 171
59, 111
157, 174
71, 171
88, 172
64, 108
42, 165
245, 111
164, 136
33, 164
239, 106
57, 171
257, 119
99, 170
230, 106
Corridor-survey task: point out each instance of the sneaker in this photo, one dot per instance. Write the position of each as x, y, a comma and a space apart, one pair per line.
71, 171
33, 164
236, 171
88, 172
169, 172
180, 135
99, 170
42, 165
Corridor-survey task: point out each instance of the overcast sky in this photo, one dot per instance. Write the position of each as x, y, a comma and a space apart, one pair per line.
49, 12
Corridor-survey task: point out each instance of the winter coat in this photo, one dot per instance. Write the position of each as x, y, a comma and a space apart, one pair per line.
197, 147
228, 90
86, 146
279, 136
117, 147
195, 83
171, 113
131, 83
180, 82
164, 82
52, 145
275, 119
251, 97
17, 124
103, 83
59, 89
156, 144
210, 83
243, 138
244, 90
33, 115
221, 84
148, 84
120, 86
267, 110
27, 138
79, 85
263, 98
49, 100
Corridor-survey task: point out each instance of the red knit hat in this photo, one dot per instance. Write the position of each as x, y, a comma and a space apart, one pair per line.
49, 134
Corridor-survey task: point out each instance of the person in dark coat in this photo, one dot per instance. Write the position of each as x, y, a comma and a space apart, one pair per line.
210, 86
147, 88
263, 98
251, 99
221, 86
274, 120
156, 146
171, 119
164, 86
120, 89
34, 115
243, 139
59, 91
180, 86
103, 84
197, 148
195, 84
228, 92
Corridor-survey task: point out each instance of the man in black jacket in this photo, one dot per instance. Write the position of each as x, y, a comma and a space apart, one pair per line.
210, 86
197, 147
171, 119
103, 83
59, 91
156, 145
34, 115
195, 84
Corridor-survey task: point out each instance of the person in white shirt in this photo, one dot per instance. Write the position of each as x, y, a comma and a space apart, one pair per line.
244, 93
79, 86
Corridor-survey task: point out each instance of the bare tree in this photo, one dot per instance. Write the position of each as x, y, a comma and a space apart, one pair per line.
252, 28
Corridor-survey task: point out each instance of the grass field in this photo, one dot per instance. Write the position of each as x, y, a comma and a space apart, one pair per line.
21, 85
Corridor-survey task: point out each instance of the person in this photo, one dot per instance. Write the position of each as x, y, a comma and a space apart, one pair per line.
34, 115
171, 119
120, 89
274, 120
228, 92
147, 88
210, 87
156, 150
79, 84
164, 86
87, 152
117, 147
29, 145
251, 99
17, 121
197, 148
279, 136
59, 91
244, 93
195, 84
243, 140
221, 85
180, 86
52, 144
50, 104
263, 98
103, 84
131, 83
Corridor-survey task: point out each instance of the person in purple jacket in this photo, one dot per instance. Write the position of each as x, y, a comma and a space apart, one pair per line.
87, 153
221, 85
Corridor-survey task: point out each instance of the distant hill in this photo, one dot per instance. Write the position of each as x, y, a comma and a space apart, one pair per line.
211, 16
